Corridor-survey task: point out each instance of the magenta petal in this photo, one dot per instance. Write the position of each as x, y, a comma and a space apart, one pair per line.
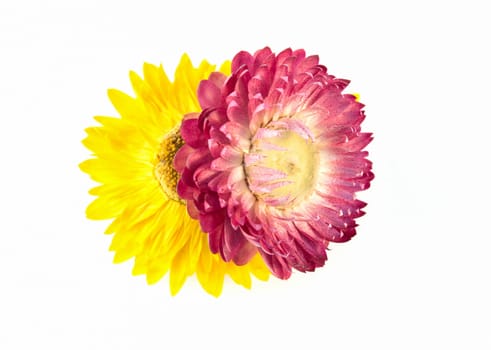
278, 266
202, 177
194, 160
241, 92
328, 231
233, 241
219, 183
261, 56
245, 254
242, 58
191, 133
238, 114
358, 143
211, 202
218, 79
283, 55
215, 239
299, 55
185, 190
260, 82
181, 157
209, 94
210, 221
308, 63
187, 179
192, 210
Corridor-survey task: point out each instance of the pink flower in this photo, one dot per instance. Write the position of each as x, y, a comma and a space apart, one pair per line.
274, 160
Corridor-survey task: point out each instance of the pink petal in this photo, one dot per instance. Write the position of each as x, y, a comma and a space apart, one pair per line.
181, 157
190, 132
232, 241
242, 58
209, 95
244, 254
278, 266
211, 221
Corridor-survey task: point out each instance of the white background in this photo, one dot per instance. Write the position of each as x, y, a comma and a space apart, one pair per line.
415, 277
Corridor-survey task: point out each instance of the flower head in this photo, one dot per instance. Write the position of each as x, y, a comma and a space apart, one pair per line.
273, 161
133, 161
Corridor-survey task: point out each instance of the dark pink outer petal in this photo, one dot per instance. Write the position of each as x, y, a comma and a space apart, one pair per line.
190, 132
209, 94
277, 264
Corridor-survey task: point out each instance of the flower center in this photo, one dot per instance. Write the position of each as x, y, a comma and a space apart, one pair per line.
282, 164
164, 169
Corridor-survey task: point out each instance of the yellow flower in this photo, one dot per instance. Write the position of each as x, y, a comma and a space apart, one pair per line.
133, 163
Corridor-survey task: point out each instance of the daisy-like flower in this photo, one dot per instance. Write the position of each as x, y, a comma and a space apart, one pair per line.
273, 161
133, 161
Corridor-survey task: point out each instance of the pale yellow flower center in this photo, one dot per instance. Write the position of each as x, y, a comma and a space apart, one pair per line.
164, 168
294, 159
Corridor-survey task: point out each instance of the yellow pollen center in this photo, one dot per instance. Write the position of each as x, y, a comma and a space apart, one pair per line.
164, 169
292, 159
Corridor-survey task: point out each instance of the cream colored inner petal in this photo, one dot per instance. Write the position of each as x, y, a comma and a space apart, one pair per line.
292, 159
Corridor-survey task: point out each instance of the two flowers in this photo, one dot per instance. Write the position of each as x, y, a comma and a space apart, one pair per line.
249, 169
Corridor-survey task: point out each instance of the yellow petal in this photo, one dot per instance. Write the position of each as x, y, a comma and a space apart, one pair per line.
240, 275
102, 208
